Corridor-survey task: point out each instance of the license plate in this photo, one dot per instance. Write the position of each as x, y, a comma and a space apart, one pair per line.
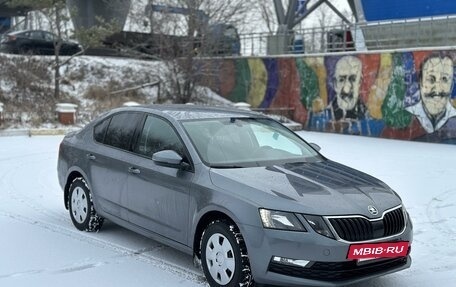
378, 250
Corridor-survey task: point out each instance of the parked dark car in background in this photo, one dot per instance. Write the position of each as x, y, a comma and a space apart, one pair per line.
250, 199
35, 42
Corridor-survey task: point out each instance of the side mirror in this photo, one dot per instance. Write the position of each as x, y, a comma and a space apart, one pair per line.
167, 158
315, 146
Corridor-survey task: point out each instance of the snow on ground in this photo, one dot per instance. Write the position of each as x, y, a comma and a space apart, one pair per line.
85, 71
39, 245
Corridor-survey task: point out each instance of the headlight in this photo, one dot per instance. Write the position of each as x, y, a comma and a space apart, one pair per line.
407, 218
406, 215
319, 225
280, 220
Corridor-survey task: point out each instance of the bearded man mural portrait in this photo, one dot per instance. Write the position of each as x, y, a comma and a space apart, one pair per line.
434, 115
347, 81
436, 83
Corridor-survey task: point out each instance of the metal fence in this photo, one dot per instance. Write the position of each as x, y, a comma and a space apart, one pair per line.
414, 33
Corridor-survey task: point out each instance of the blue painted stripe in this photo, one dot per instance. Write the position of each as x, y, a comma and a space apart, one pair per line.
375, 10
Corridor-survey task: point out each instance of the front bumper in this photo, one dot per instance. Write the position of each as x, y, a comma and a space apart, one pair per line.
340, 273
328, 264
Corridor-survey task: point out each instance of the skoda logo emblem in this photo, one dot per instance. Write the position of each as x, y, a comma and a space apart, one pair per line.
372, 210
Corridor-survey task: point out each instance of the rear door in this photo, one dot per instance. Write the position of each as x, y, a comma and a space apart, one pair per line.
109, 161
49, 43
38, 43
158, 196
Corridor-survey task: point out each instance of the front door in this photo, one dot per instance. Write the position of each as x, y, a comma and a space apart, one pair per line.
158, 197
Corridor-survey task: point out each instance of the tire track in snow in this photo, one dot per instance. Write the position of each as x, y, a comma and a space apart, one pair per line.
140, 255
6, 183
441, 212
22, 156
17, 195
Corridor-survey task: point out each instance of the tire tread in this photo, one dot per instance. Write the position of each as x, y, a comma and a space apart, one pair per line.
95, 221
246, 275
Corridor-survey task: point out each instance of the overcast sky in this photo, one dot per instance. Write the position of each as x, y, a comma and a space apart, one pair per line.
341, 4
254, 23
332, 18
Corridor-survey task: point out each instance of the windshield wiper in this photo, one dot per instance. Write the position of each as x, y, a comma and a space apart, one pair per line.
227, 166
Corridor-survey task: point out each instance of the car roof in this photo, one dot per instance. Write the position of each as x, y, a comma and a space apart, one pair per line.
194, 112
26, 31
17, 32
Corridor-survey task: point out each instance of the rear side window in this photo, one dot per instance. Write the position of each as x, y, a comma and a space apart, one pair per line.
100, 130
158, 135
37, 35
121, 130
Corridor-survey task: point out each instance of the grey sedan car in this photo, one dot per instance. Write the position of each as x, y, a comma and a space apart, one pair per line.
247, 197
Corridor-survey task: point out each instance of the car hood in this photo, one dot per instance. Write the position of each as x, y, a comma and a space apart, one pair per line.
323, 188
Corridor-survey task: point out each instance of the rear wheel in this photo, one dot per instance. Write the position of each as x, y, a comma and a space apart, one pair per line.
82, 212
224, 256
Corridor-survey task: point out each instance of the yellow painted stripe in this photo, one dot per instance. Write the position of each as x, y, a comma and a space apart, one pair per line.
258, 82
379, 89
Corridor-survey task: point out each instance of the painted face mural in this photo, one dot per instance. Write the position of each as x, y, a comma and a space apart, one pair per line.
402, 95
436, 85
347, 82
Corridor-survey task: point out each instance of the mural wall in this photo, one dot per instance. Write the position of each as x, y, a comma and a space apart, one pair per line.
407, 95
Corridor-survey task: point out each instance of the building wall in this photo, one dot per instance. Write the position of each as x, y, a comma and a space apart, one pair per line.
379, 95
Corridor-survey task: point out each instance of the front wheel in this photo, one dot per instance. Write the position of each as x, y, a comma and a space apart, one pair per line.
224, 256
82, 212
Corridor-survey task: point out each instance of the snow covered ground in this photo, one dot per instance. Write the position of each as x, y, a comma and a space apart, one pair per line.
40, 247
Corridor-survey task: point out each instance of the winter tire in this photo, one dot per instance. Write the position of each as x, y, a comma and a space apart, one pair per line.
81, 208
224, 256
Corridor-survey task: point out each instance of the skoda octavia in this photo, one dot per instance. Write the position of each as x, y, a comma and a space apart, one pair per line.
247, 197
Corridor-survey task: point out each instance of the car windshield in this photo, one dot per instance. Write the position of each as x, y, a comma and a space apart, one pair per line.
247, 142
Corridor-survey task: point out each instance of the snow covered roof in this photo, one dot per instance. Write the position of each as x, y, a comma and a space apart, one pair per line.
189, 112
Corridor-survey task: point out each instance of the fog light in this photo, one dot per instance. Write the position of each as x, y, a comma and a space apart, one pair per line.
288, 261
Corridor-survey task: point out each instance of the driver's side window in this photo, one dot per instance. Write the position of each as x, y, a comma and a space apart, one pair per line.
158, 135
36, 35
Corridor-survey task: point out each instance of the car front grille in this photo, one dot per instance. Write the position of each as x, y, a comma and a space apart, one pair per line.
337, 271
393, 222
355, 229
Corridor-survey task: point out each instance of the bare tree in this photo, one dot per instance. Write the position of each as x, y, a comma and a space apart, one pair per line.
322, 22
190, 29
266, 10
284, 16
325, 19
54, 11
57, 16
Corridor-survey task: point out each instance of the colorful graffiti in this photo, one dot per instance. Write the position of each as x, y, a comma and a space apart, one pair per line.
403, 95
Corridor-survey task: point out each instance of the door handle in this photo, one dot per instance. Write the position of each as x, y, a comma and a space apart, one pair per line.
91, 156
134, 170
